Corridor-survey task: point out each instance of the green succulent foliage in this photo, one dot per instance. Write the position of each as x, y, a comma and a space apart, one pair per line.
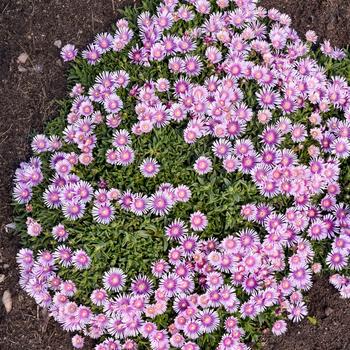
131, 242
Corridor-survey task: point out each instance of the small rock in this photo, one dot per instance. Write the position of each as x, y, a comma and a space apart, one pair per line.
7, 300
22, 69
10, 227
22, 58
328, 311
38, 68
59, 62
58, 43
6, 266
2, 278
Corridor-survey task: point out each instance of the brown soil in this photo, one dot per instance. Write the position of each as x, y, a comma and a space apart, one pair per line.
328, 329
27, 94
328, 18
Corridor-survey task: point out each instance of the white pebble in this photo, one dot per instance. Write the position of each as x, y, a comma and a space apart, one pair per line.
22, 58
58, 43
7, 300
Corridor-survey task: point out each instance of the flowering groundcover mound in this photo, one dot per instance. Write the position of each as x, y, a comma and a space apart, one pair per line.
193, 182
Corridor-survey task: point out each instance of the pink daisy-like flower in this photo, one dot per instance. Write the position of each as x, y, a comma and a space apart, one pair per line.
176, 229
73, 210
34, 228
184, 12
297, 312
160, 203
230, 164
192, 329
336, 260
311, 36
192, 65
81, 260
189, 244
198, 221
175, 64
78, 341
103, 42
64, 255
126, 200
83, 191
60, 233
301, 278
170, 284
121, 138
99, 297
113, 103
113, 120
22, 193
68, 52
103, 213
209, 320
114, 279
341, 147
279, 327
85, 108
298, 133
68, 288
182, 193
125, 156
248, 310
177, 340
271, 136
40, 144
112, 156
190, 346
92, 54
149, 167
159, 268
141, 285
203, 165
25, 258
162, 85
267, 98
222, 148
157, 52
139, 205
213, 54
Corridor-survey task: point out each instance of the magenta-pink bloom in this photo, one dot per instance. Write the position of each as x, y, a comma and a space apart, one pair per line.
68, 52
114, 279
198, 221
203, 165
149, 167
279, 327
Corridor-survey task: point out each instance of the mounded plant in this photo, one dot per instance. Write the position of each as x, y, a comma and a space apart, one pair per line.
193, 182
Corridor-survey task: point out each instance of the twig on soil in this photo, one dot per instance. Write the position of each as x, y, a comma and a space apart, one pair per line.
4, 9
2, 141
6, 131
